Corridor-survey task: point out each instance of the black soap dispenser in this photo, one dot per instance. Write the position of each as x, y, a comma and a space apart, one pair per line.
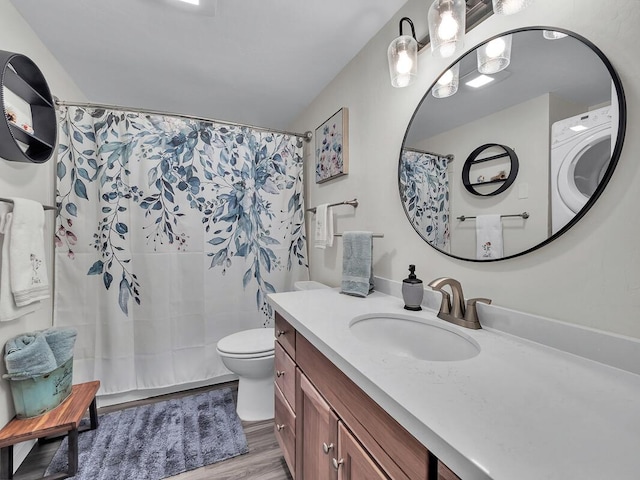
412, 291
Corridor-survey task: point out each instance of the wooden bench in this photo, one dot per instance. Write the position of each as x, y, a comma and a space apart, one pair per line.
62, 420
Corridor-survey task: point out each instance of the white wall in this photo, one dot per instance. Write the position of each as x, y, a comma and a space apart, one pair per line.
524, 128
34, 181
589, 276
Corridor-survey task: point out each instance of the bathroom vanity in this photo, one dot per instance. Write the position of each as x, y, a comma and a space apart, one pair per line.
350, 405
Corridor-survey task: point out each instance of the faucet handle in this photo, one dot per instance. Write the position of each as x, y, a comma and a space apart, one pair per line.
471, 313
445, 304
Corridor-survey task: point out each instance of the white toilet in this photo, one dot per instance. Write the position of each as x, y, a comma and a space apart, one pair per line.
250, 355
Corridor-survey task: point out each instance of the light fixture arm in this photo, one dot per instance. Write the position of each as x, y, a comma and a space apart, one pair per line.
413, 29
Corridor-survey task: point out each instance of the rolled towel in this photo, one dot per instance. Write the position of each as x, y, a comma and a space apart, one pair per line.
29, 355
61, 341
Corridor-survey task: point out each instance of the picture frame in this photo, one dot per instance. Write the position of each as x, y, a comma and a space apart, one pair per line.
332, 147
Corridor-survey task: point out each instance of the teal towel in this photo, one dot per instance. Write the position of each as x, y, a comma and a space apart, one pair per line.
29, 355
61, 341
357, 263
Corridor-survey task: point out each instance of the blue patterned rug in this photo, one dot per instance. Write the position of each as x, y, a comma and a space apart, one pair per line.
158, 440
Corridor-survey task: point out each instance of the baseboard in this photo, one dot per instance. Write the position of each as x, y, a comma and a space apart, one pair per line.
117, 398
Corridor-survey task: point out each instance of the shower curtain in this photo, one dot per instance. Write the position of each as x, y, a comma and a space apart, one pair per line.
170, 234
424, 183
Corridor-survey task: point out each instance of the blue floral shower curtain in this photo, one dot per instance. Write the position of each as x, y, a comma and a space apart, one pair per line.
171, 233
424, 182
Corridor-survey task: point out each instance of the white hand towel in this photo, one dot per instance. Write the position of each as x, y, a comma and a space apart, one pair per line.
324, 226
29, 279
8, 308
488, 237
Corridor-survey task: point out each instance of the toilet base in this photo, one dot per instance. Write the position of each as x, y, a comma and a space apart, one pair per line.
255, 399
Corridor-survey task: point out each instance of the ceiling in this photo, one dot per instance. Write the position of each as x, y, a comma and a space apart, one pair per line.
566, 68
258, 62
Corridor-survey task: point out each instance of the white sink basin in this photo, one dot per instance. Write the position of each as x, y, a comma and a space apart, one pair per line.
414, 337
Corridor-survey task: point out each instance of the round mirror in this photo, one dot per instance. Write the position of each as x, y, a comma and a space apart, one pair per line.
497, 164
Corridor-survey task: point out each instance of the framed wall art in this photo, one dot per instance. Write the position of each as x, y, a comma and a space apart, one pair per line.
332, 147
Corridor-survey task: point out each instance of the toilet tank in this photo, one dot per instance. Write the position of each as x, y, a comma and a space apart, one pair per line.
309, 285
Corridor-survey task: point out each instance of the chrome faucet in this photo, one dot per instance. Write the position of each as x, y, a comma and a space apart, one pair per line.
452, 307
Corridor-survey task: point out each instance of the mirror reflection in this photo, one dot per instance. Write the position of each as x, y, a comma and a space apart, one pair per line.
546, 96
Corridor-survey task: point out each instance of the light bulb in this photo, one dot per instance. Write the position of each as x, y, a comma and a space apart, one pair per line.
448, 27
404, 64
495, 47
403, 80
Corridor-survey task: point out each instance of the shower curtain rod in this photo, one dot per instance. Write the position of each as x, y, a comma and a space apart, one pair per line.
306, 136
449, 157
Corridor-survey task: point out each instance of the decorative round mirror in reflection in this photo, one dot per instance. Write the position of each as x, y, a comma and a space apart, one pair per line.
558, 104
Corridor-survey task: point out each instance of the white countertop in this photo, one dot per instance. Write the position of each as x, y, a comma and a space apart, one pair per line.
516, 411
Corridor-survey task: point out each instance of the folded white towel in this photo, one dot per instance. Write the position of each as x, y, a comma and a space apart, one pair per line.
488, 237
29, 279
324, 226
8, 308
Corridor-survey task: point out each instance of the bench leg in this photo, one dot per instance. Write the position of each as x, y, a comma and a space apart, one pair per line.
6, 463
93, 414
73, 452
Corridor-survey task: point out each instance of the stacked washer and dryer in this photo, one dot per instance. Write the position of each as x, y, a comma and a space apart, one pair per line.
581, 149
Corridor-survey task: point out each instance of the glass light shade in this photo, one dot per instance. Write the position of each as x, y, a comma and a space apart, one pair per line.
448, 82
553, 35
509, 7
447, 24
495, 55
403, 61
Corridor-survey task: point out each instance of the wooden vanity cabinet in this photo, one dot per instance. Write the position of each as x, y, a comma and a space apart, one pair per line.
354, 463
444, 473
317, 434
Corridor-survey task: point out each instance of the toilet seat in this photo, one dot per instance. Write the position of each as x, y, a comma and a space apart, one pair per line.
254, 343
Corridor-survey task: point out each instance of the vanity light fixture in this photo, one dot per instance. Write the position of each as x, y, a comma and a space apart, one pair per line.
509, 7
403, 57
479, 81
495, 55
553, 35
447, 20
447, 84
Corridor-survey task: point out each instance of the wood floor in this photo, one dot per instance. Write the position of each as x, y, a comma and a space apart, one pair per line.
264, 460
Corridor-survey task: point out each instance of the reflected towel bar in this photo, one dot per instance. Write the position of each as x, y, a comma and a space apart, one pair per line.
523, 215
353, 203
46, 207
375, 235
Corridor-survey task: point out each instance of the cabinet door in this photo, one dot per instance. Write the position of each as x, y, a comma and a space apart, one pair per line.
316, 434
444, 473
353, 462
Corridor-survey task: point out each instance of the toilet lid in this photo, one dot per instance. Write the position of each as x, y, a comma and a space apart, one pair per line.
257, 340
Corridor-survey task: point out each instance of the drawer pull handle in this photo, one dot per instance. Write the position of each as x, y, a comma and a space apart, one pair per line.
280, 427
337, 463
279, 373
280, 333
326, 448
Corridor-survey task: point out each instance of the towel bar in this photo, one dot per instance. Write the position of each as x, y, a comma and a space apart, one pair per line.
353, 203
375, 235
46, 207
523, 215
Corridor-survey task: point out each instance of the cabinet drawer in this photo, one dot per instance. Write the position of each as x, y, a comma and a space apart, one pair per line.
285, 430
285, 375
286, 335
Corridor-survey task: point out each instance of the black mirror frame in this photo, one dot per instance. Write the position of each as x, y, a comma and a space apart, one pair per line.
615, 156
